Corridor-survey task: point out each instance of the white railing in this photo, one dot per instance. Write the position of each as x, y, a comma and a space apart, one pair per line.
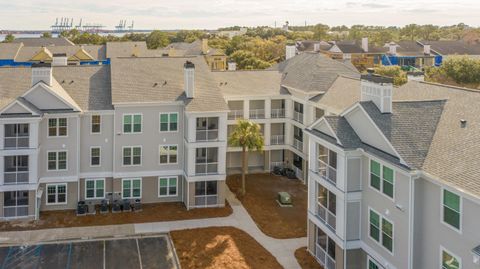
257, 113
277, 164
278, 113
207, 135
325, 260
277, 140
327, 172
15, 177
206, 200
326, 216
297, 116
298, 172
206, 168
298, 144
235, 114
15, 211
16, 142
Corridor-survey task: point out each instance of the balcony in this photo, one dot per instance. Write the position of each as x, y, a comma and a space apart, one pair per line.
327, 172
324, 259
17, 142
298, 144
277, 113
207, 135
327, 217
235, 114
15, 211
206, 168
257, 113
10, 178
298, 116
277, 140
206, 200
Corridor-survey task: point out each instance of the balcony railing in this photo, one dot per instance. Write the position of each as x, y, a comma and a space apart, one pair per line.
15, 177
278, 164
207, 135
325, 260
277, 113
297, 144
206, 168
235, 114
297, 116
16, 142
206, 200
298, 172
277, 140
257, 113
15, 211
327, 217
327, 172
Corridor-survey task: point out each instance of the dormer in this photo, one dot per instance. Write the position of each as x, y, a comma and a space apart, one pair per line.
44, 55
81, 55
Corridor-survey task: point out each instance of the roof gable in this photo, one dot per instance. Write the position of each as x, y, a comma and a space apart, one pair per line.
43, 55
81, 55
20, 106
48, 98
322, 126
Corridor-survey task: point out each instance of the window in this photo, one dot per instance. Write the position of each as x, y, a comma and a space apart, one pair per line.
372, 264
57, 127
95, 156
96, 124
168, 122
95, 188
15, 169
450, 261
327, 206
56, 194
382, 178
206, 161
325, 245
15, 203
57, 160
167, 186
381, 230
16, 135
451, 211
205, 193
168, 154
132, 123
132, 156
132, 188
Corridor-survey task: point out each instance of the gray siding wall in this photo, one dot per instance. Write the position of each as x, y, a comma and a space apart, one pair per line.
354, 179
353, 220
431, 233
72, 198
104, 140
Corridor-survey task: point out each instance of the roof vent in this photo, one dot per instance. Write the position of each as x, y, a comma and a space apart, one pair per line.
463, 123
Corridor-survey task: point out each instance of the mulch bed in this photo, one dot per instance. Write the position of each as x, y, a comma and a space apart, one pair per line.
306, 260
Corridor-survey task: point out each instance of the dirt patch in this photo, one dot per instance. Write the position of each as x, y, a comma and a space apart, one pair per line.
220, 247
306, 260
150, 213
260, 201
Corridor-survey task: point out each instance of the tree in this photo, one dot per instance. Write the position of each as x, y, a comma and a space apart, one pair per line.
9, 38
47, 35
320, 31
247, 60
461, 70
157, 39
399, 76
248, 136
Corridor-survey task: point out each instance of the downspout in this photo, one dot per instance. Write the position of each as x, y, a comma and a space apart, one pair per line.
78, 158
412, 219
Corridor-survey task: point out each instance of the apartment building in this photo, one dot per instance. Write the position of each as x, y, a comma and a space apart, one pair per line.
393, 177
140, 128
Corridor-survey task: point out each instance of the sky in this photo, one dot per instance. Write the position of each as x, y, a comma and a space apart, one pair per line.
211, 14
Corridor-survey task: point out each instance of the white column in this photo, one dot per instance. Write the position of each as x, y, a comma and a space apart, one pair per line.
222, 127
191, 161
288, 133
312, 156
222, 159
288, 108
33, 133
2, 136
33, 168
2, 169
268, 108
341, 173
267, 133
191, 128
246, 109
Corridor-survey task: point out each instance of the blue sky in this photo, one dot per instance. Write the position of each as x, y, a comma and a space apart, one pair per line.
210, 14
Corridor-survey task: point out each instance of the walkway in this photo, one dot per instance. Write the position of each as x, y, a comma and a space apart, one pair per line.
282, 249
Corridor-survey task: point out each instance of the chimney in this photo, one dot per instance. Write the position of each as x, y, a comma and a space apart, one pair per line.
232, 66
42, 72
205, 46
59, 59
392, 48
189, 79
377, 89
365, 44
426, 49
290, 51
316, 47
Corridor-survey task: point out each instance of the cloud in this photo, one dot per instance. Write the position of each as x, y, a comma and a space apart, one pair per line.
375, 5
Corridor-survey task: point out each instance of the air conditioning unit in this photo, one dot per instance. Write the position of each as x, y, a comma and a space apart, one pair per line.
284, 199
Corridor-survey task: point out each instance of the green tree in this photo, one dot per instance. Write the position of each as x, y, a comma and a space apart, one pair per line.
9, 38
409, 31
248, 136
461, 70
320, 31
47, 35
399, 76
157, 39
247, 60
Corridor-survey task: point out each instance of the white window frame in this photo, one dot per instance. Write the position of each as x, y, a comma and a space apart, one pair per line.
100, 124
168, 154
370, 259
382, 164
131, 187
95, 180
99, 156
132, 124
443, 249
57, 160
441, 210
57, 127
131, 157
381, 231
168, 186
56, 194
160, 122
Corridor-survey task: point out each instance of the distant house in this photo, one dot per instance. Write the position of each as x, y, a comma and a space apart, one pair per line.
216, 59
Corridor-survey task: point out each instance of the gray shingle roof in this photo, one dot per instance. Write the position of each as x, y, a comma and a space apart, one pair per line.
9, 51
43, 41
152, 79
349, 48
96, 51
344, 132
242, 83
312, 72
451, 47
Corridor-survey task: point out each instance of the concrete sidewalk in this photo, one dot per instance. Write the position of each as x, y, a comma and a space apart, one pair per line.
282, 249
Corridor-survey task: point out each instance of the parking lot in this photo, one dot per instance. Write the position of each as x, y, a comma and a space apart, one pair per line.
140, 252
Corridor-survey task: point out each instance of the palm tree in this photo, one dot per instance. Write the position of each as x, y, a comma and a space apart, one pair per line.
248, 136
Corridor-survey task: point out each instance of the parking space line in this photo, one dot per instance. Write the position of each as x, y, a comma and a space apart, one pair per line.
104, 258
6, 257
139, 255
69, 255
